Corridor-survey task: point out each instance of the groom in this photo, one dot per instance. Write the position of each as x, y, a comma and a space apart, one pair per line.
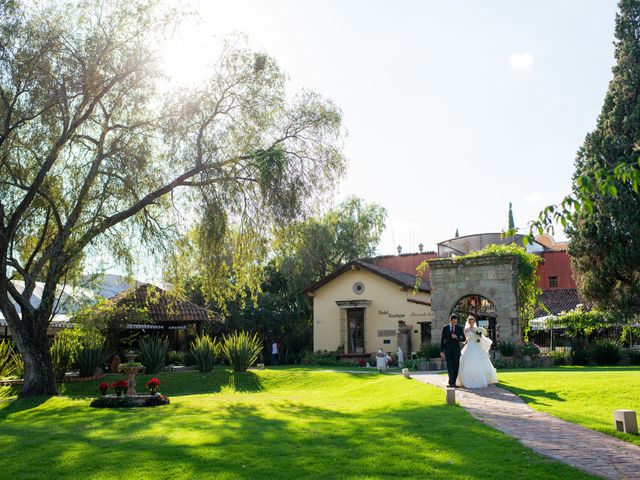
452, 337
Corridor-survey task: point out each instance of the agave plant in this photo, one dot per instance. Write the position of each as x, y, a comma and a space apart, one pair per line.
153, 351
204, 351
89, 358
10, 361
64, 351
241, 349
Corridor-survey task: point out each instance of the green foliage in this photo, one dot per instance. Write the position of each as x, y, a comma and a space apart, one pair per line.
580, 355
10, 361
241, 349
579, 322
429, 350
605, 352
64, 352
530, 350
102, 154
176, 357
506, 348
90, 357
322, 358
312, 249
412, 363
512, 225
634, 356
153, 351
204, 351
559, 358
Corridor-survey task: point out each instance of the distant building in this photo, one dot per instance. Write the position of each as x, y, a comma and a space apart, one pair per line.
357, 308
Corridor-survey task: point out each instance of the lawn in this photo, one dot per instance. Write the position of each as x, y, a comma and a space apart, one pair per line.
279, 424
583, 395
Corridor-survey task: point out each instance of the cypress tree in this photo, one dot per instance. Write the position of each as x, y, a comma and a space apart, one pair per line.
512, 225
457, 234
605, 235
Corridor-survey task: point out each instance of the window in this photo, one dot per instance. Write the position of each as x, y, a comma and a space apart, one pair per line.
553, 282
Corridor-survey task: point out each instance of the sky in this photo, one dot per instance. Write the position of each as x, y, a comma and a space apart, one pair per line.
453, 108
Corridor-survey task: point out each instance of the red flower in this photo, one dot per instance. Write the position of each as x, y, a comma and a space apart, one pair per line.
121, 384
153, 383
103, 386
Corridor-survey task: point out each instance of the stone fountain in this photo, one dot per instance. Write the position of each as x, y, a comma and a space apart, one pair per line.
131, 368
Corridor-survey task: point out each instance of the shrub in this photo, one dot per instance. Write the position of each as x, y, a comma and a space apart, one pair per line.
559, 358
153, 351
606, 352
176, 357
580, 355
89, 358
241, 349
321, 357
204, 351
528, 350
412, 363
634, 356
507, 364
64, 352
507, 348
429, 350
7, 360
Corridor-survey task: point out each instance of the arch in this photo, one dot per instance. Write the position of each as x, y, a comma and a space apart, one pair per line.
482, 308
493, 278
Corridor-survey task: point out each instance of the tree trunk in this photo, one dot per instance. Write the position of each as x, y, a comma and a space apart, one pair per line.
39, 378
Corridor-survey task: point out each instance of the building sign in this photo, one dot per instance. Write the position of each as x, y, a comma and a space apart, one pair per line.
386, 333
391, 315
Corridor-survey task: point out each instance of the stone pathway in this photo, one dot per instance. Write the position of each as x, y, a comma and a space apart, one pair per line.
588, 450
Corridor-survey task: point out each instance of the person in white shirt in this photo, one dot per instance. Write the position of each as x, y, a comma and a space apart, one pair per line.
274, 353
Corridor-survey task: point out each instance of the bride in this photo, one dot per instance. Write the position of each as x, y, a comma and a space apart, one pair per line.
476, 370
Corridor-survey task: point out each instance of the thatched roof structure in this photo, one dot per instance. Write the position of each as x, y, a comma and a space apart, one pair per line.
159, 306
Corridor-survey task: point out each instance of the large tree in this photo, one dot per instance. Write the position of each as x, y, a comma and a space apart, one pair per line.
605, 237
314, 248
99, 153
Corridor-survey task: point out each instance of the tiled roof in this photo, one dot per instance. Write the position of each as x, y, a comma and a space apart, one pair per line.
161, 306
403, 279
559, 300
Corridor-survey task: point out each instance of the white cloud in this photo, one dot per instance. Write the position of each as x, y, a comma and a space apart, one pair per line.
521, 61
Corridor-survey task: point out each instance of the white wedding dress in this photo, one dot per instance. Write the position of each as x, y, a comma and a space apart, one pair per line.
476, 370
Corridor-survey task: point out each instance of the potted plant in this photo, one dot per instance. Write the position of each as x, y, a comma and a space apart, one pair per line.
120, 386
153, 385
103, 387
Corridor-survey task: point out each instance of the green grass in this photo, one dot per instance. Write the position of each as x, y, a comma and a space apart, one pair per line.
271, 424
583, 395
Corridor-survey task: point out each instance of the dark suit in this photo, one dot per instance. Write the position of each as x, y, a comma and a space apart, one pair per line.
451, 349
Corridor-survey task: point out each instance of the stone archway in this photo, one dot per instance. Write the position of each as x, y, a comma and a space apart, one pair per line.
493, 277
482, 309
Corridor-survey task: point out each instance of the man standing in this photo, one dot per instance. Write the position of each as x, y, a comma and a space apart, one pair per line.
274, 353
452, 337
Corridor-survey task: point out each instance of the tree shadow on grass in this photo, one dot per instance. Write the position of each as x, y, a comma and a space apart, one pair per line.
286, 441
534, 396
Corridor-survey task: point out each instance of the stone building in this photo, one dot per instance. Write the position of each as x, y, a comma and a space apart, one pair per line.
485, 287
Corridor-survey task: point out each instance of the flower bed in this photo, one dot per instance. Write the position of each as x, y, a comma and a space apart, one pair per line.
129, 401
